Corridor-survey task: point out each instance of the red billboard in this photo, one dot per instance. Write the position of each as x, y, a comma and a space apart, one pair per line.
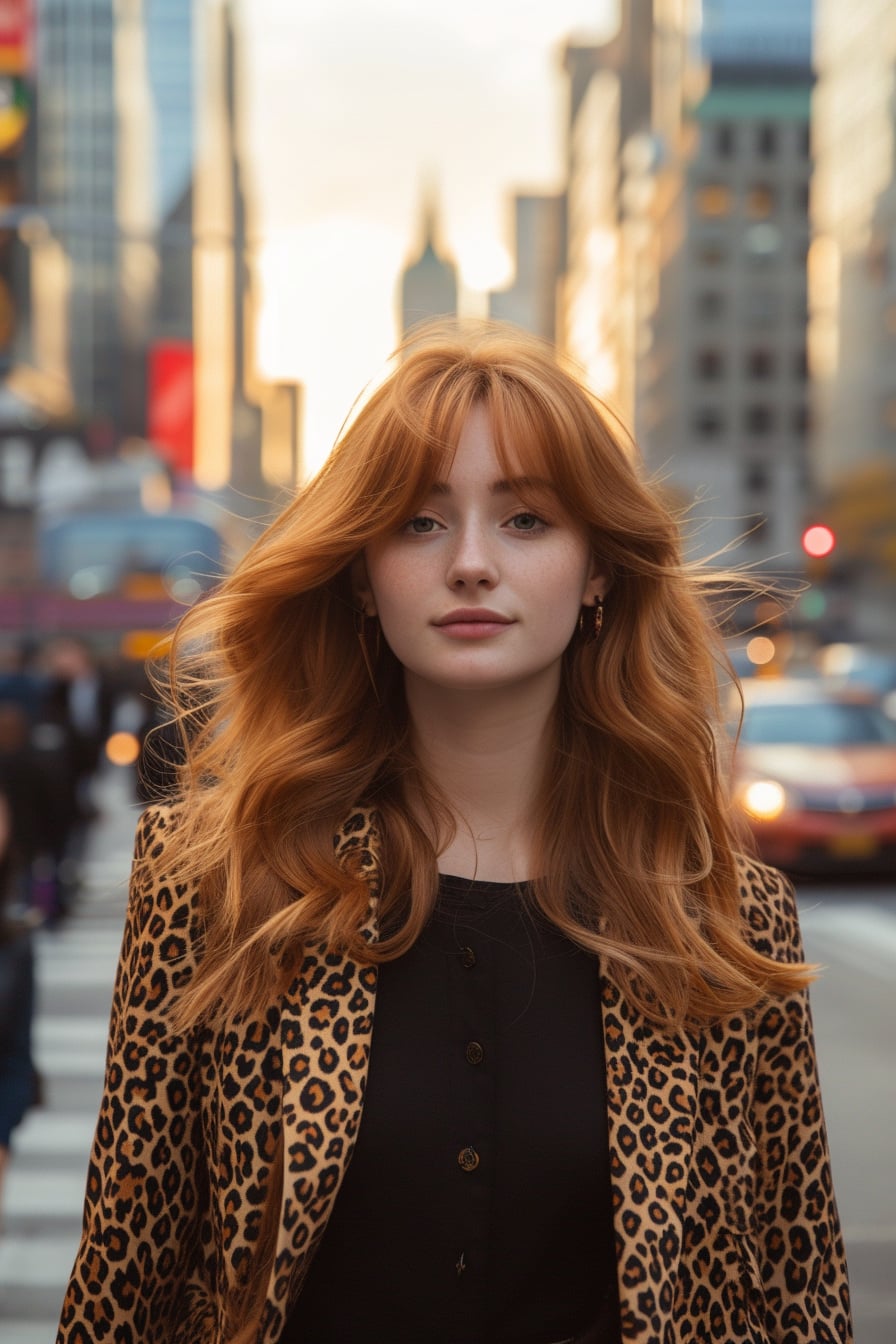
171, 403
15, 37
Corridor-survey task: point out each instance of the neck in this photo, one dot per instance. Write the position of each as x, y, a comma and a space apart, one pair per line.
486, 752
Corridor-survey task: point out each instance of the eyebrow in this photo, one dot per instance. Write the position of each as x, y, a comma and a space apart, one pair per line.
514, 485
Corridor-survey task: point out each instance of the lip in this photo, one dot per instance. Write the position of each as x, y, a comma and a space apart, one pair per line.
473, 616
471, 623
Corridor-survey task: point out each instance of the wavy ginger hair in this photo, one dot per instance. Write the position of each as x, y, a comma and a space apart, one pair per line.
633, 839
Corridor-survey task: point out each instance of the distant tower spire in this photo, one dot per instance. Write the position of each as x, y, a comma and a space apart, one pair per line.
429, 282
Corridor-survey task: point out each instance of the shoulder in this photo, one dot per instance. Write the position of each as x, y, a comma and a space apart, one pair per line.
163, 908
768, 910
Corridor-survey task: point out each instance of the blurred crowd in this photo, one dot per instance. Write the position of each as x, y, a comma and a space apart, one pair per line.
57, 708
56, 711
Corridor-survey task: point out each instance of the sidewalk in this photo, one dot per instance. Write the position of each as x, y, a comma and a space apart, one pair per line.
45, 1182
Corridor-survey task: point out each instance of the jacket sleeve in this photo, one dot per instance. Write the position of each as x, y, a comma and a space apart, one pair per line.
137, 1277
799, 1240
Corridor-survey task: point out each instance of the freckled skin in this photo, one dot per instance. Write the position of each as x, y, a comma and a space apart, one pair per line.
475, 543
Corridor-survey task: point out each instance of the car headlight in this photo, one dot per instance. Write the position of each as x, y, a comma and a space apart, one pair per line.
764, 799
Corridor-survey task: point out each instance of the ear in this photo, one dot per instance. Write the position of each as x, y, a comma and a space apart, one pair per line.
361, 589
598, 585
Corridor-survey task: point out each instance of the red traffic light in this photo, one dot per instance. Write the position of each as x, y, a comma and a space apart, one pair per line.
818, 541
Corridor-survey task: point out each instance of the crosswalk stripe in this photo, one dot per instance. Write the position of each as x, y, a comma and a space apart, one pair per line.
862, 934
45, 1135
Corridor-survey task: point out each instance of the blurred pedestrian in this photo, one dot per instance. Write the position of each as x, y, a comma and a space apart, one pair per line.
80, 697
72, 724
457, 777
34, 766
19, 1087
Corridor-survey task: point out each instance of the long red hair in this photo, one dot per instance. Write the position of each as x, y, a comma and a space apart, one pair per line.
285, 732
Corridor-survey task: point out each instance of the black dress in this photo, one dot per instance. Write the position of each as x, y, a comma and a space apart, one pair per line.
476, 1208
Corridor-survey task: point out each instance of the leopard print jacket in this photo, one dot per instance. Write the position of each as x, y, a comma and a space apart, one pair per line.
726, 1224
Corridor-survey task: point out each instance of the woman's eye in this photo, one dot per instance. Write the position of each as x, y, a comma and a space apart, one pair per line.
421, 525
526, 522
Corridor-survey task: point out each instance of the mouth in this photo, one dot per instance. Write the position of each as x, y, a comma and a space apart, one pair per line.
472, 623
473, 616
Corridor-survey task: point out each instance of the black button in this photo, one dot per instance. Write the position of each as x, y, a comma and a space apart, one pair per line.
467, 958
468, 1159
474, 1052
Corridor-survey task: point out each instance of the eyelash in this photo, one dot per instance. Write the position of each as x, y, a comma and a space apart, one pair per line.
540, 524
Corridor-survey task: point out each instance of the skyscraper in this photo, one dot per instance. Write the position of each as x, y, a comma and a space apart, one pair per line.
76, 186
114, 163
723, 389
539, 249
429, 282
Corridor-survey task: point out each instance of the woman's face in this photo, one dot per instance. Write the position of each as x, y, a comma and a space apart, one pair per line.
480, 590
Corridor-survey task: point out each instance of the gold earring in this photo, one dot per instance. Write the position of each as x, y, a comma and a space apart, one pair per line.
591, 621
598, 617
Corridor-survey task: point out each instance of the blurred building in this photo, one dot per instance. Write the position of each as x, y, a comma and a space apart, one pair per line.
15, 118
113, 164
539, 249
762, 34
609, 101
852, 331
247, 431
428, 286
853, 260
76, 191
722, 380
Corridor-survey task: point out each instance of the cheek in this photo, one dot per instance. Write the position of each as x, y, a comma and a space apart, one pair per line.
393, 584
564, 581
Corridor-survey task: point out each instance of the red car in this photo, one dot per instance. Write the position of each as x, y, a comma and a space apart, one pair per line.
815, 778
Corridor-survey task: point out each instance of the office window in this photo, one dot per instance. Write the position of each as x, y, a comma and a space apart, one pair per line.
714, 200
756, 478
724, 140
760, 201
800, 420
767, 141
760, 363
709, 365
709, 423
759, 419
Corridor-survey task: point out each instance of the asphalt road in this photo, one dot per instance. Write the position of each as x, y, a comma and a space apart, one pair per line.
851, 930
849, 927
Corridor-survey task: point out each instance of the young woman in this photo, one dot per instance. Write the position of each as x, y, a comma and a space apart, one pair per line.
447, 1010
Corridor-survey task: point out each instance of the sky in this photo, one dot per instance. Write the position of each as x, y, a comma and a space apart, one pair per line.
351, 106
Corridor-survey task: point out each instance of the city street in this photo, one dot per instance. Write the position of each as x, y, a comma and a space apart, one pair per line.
850, 928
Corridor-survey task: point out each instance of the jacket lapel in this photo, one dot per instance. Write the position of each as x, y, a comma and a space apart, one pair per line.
326, 1026
651, 1108
325, 1034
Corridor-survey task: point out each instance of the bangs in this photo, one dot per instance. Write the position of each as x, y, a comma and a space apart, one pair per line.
552, 438
540, 443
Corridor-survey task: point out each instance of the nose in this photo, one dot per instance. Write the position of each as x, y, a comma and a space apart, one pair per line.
472, 562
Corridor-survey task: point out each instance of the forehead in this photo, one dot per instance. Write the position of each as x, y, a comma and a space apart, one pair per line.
485, 443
